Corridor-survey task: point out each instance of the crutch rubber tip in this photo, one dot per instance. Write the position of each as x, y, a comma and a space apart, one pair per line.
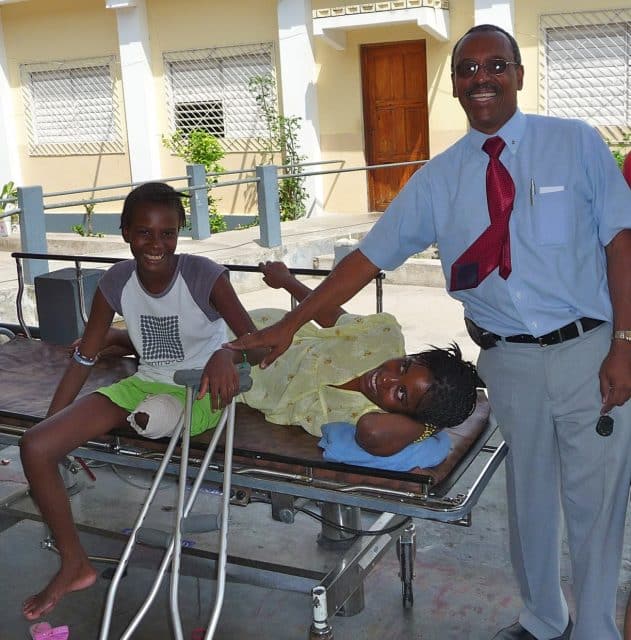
201, 523
153, 537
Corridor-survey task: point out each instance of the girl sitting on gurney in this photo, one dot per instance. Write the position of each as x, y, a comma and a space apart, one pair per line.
176, 308
353, 369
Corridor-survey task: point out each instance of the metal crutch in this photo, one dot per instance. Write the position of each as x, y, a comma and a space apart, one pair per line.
184, 522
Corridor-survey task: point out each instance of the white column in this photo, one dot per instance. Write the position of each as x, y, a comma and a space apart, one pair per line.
297, 80
498, 12
9, 158
143, 138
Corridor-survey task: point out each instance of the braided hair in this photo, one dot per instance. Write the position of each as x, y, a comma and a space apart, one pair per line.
154, 192
452, 396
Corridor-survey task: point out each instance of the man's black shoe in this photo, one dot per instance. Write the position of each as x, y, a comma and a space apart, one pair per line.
517, 632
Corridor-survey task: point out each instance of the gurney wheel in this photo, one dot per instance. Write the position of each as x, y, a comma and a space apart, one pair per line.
408, 595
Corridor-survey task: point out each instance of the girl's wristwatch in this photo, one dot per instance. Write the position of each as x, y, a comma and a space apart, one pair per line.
622, 335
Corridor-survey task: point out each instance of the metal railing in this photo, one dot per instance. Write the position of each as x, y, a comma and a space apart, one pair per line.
78, 260
32, 203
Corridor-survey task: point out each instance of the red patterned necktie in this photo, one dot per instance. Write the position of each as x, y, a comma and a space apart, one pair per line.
492, 248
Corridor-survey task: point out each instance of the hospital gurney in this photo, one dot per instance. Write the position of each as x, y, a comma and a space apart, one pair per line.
284, 466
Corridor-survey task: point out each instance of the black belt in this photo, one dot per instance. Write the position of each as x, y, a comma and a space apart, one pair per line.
486, 339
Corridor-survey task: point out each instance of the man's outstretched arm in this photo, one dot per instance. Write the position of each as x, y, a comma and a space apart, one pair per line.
351, 275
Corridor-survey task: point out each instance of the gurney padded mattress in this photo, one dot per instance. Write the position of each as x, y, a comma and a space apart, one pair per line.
32, 368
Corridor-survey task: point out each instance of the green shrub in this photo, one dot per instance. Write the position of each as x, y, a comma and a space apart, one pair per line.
85, 233
283, 137
620, 149
9, 190
201, 147
217, 223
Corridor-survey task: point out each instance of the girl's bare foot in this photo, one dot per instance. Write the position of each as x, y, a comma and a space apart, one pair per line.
67, 579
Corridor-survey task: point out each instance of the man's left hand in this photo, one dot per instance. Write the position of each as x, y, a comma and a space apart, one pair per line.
615, 376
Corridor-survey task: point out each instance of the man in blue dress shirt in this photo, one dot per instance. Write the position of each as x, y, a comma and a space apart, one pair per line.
554, 326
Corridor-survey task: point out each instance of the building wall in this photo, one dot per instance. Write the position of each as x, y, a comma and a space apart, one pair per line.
49, 30
527, 16
86, 29
191, 24
340, 100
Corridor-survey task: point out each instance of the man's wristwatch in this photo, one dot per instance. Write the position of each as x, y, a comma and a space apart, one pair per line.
622, 335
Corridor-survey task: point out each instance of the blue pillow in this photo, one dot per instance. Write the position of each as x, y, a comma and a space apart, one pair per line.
338, 442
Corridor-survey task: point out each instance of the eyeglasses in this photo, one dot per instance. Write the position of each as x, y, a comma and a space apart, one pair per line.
495, 67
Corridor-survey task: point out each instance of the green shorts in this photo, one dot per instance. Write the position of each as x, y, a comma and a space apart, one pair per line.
130, 392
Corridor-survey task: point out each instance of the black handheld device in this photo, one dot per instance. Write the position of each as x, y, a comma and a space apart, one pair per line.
604, 426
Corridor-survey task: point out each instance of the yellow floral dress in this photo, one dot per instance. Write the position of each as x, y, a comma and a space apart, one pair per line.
298, 388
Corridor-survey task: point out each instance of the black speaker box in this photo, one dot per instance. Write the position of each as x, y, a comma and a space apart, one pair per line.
58, 307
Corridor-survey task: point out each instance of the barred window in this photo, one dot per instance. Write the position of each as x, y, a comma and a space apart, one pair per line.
586, 70
71, 108
209, 90
207, 116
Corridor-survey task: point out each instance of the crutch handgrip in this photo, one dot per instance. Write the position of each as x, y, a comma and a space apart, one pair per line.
245, 380
153, 537
191, 377
188, 377
201, 523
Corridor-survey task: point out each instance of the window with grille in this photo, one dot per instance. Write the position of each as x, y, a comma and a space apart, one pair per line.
207, 116
209, 89
71, 108
586, 70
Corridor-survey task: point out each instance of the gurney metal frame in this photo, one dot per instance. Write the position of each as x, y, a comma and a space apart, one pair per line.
341, 588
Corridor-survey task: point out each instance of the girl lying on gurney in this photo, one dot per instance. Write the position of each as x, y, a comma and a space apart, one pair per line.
354, 368
176, 308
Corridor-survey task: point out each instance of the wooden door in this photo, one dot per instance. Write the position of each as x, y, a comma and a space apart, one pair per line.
394, 86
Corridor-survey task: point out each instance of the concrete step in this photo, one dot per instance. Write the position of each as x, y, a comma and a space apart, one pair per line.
425, 272
67, 243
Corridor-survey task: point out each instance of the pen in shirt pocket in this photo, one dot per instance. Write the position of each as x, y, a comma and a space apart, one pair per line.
532, 192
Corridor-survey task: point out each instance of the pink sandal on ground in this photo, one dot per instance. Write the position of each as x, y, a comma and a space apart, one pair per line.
43, 631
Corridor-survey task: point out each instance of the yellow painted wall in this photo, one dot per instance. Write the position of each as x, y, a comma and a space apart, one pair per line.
340, 100
339, 86
48, 30
527, 15
447, 121
191, 24
45, 30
